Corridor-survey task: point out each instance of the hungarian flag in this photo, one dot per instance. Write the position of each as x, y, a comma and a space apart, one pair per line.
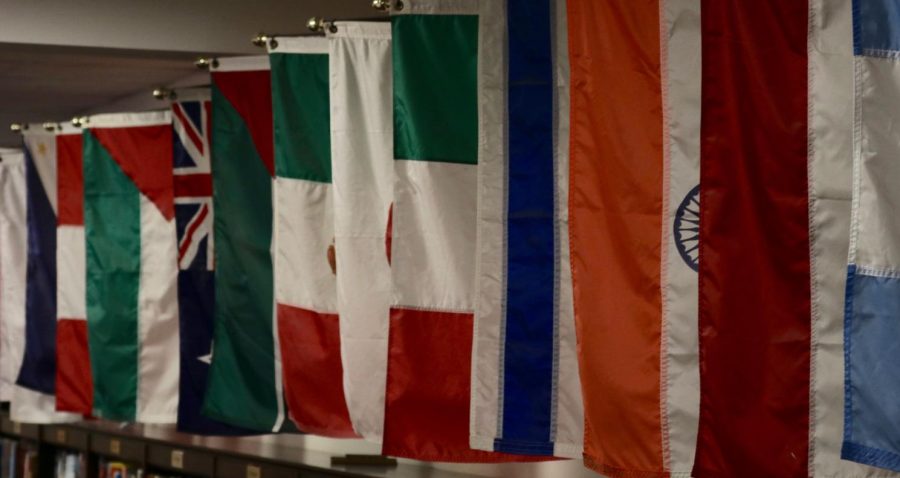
308, 328
439, 50
132, 303
245, 383
633, 212
193, 224
74, 383
362, 174
526, 394
872, 327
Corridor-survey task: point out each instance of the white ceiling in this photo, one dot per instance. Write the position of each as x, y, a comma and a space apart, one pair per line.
60, 58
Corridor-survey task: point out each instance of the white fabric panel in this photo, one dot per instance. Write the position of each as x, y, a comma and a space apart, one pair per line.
878, 147
434, 224
681, 65
242, 63
487, 357
13, 254
28, 406
158, 356
276, 339
305, 230
42, 146
299, 45
70, 273
569, 408
128, 120
362, 176
437, 7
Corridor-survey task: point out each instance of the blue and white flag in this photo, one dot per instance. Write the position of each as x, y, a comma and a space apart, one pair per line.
872, 308
526, 392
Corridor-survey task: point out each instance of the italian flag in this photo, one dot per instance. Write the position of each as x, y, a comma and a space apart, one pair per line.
245, 381
304, 236
437, 138
132, 308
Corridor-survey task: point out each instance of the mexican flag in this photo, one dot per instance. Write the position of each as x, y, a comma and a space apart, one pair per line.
132, 307
308, 328
362, 172
245, 381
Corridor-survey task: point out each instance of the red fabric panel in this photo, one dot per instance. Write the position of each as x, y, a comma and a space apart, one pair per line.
193, 185
74, 384
754, 241
70, 181
428, 386
615, 214
145, 155
313, 374
250, 94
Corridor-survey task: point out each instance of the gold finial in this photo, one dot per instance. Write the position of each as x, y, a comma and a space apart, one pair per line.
260, 40
205, 63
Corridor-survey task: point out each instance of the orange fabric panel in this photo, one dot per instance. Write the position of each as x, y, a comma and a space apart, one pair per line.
313, 373
616, 209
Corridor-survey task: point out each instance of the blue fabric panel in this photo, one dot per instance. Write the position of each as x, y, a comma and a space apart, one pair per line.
876, 27
38, 370
872, 371
181, 157
195, 306
193, 109
528, 362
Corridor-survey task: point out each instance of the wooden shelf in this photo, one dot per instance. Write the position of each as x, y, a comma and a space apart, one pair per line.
164, 450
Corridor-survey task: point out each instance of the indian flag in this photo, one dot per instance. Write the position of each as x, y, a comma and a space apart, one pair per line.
633, 211
132, 308
439, 136
308, 328
245, 381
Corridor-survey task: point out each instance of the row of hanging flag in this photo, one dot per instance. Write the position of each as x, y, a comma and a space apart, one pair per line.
475, 234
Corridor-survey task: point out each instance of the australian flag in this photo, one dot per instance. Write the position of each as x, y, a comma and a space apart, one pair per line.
194, 223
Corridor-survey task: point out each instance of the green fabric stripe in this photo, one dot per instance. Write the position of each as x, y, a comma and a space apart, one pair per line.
302, 116
435, 87
241, 389
112, 225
